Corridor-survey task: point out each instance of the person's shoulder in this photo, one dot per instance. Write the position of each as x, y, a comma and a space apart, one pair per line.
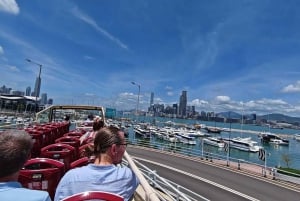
77, 170
125, 170
32, 195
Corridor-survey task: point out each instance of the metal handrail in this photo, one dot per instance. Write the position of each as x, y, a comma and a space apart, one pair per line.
150, 193
153, 183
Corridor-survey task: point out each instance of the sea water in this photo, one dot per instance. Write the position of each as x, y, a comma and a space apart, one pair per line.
274, 153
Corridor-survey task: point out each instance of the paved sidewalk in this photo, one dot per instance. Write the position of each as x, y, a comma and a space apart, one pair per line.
244, 167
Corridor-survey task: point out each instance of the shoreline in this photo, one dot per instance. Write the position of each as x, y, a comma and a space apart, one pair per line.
255, 132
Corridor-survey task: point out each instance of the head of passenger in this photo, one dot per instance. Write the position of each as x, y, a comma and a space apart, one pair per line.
110, 145
15, 148
98, 124
91, 117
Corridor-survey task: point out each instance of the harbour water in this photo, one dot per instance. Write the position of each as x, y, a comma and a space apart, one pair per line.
274, 152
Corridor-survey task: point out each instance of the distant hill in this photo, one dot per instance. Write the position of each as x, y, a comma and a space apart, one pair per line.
279, 117
233, 115
271, 117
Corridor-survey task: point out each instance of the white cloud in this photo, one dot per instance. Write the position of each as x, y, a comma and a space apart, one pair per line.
89, 94
168, 88
292, 88
199, 103
223, 99
14, 68
1, 50
170, 93
88, 57
87, 19
9, 6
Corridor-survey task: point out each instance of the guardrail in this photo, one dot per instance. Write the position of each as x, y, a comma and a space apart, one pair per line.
164, 189
240, 164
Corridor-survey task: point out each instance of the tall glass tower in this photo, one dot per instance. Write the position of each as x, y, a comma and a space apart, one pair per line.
151, 99
182, 104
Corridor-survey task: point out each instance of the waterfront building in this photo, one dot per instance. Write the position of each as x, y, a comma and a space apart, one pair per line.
182, 104
17, 93
4, 90
50, 101
28, 91
44, 98
151, 99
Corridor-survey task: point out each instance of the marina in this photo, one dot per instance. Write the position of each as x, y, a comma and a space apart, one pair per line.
199, 141
275, 152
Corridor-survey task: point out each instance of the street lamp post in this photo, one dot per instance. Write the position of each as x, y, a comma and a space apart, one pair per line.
39, 82
228, 152
138, 99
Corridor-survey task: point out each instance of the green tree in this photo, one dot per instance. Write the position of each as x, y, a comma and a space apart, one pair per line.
287, 159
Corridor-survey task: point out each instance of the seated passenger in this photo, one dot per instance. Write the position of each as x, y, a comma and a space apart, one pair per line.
104, 174
88, 137
15, 148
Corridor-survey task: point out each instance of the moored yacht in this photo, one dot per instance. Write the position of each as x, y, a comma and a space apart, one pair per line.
214, 141
142, 132
267, 137
185, 139
297, 137
243, 144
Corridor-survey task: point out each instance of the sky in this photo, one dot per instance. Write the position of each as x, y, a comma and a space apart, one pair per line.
233, 55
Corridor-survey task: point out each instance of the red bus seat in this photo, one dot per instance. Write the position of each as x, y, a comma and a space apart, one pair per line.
94, 195
73, 141
38, 138
41, 174
80, 162
73, 134
86, 150
62, 152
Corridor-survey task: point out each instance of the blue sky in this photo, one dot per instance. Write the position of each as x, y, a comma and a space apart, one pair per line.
237, 55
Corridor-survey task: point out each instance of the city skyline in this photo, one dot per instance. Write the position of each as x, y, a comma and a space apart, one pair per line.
229, 56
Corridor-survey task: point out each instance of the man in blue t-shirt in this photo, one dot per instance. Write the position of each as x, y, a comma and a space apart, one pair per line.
15, 148
104, 174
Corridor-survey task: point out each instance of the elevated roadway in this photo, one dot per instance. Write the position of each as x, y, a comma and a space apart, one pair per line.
213, 181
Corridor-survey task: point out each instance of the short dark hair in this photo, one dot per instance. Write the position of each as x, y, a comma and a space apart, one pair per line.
15, 148
106, 137
97, 124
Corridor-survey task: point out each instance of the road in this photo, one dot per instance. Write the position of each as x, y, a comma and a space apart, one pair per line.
213, 182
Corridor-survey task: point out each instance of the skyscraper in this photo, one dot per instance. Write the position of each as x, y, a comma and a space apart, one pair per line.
151, 99
44, 98
182, 104
28, 91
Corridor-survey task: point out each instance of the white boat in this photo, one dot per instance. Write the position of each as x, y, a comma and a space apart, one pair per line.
267, 137
185, 139
142, 132
278, 142
166, 133
214, 141
297, 137
244, 144
193, 132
